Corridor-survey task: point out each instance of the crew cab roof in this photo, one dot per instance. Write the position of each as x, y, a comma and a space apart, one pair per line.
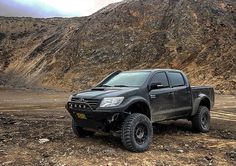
154, 70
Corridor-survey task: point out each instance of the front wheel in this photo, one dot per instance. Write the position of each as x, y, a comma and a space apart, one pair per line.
137, 132
79, 131
201, 121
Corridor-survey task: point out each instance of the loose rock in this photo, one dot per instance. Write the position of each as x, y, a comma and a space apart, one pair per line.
43, 140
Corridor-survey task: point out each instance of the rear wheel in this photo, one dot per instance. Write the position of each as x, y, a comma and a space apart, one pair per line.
79, 131
137, 132
201, 121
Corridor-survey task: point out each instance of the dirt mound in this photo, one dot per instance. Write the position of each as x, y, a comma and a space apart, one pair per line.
195, 36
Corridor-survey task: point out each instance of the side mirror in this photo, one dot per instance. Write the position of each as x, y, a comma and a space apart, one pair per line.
156, 85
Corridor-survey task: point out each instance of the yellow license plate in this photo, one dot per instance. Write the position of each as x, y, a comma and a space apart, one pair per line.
81, 116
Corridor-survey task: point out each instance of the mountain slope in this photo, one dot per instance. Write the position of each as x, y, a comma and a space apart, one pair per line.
195, 36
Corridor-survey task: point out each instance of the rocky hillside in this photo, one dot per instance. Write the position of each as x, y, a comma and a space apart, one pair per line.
197, 36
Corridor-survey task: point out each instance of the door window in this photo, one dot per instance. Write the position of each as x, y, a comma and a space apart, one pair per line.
176, 79
160, 78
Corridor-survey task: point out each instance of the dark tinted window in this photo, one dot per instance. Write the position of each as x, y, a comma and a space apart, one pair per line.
176, 79
160, 78
132, 78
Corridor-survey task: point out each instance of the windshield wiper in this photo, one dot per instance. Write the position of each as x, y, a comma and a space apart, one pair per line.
121, 86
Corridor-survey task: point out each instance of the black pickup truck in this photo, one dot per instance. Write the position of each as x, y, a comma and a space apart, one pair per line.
127, 103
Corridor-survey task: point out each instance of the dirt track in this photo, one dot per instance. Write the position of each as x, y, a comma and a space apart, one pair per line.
27, 116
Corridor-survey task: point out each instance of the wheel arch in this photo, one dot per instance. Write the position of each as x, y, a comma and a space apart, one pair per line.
139, 105
202, 100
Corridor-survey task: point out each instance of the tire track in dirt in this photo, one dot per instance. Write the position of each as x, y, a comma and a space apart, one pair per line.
224, 115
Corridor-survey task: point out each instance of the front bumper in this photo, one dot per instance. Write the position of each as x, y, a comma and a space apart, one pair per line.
98, 119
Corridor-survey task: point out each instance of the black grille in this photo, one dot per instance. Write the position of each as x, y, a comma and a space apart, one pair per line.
93, 103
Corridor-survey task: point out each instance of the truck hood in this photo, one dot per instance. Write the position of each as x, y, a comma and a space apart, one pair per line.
99, 93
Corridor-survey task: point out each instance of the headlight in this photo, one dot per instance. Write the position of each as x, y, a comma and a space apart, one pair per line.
111, 101
69, 99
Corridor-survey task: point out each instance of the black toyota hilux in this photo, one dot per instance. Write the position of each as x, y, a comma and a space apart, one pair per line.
127, 103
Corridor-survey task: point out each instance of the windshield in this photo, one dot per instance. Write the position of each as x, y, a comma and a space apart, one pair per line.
126, 79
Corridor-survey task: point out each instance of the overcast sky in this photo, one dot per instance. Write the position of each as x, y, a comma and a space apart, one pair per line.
51, 8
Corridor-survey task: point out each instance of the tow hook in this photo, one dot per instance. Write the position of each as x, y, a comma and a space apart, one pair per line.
113, 118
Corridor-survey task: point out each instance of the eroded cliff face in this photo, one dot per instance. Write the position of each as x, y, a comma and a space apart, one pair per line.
196, 36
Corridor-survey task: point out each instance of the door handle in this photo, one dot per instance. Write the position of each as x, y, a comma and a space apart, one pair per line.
187, 92
153, 96
171, 93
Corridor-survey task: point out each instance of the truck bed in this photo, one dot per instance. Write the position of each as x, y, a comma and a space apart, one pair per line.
206, 90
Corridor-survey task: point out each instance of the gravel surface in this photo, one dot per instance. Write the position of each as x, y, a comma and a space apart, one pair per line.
35, 130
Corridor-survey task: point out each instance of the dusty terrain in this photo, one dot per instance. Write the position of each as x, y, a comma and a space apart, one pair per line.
196, 36
27, 116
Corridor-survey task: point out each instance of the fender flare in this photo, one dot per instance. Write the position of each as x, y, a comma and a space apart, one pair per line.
197, 102
136, 99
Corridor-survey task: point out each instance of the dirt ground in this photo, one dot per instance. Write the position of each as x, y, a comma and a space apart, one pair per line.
27, 116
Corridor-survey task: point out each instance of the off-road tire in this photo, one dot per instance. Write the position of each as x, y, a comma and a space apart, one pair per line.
79, 131
201, 120
131, 126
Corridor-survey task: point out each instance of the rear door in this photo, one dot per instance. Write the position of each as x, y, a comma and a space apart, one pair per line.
161, 100
182, 95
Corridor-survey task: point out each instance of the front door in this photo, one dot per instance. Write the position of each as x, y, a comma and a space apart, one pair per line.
161, 99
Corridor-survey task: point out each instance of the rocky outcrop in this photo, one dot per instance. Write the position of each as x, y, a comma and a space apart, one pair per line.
195, 36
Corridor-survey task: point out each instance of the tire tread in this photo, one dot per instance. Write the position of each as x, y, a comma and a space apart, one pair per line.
196, 120
126, 129
79, 131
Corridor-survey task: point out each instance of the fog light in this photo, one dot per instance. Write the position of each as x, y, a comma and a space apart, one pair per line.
70, 105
